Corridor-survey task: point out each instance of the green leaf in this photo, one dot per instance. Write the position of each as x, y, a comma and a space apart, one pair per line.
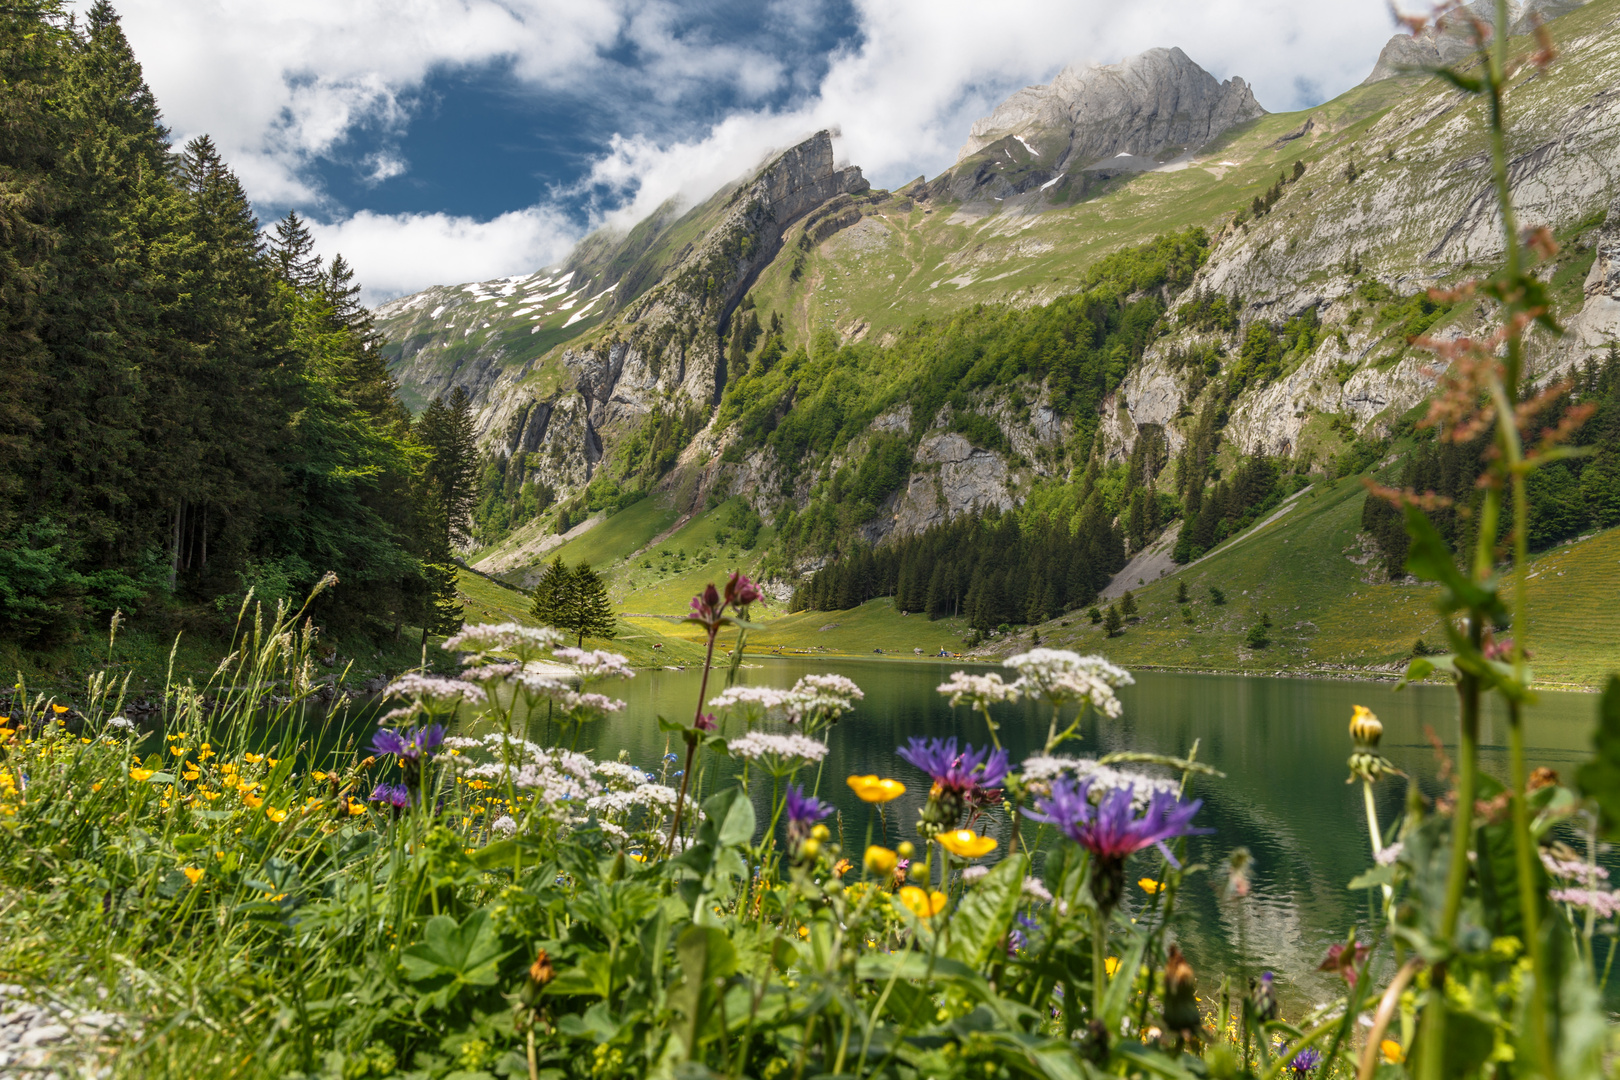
986, 911
732, 814
1465, 83
591, 977
470, 954
1378, 875
1118, 995
1599, 778
1430, 558
707, 959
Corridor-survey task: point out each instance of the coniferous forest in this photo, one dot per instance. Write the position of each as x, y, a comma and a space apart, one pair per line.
190, 407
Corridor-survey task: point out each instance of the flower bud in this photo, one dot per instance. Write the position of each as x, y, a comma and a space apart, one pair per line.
880, 861
810, 848
1365, 728
821, 832
1180, 993
906, 849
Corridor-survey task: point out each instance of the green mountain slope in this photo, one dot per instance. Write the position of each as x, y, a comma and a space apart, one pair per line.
854, 366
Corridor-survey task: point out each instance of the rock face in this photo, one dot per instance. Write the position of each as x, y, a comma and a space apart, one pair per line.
1139, 107
1453, 39
662, 350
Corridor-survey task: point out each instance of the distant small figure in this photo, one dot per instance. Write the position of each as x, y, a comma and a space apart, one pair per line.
878, 651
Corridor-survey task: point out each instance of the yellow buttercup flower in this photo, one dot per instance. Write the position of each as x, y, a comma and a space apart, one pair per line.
356, 808
1150, 886
1111, 965
922, 904
275, 815
875, 789
205, 751
190, 774
1392, 1051
140, 774
96, 786
193, 874
966, 844
880, 860
253, 759
179, 751
59, 709
253, 801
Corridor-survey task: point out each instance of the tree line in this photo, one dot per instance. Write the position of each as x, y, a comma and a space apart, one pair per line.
994, 569
1567, 498
189, 408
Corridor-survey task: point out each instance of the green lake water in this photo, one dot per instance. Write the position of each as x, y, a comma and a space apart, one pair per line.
1282, 744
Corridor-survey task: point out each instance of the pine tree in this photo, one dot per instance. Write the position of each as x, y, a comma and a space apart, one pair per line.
553, 597
1127, 604
1113, 625
293, 250
594, 611
1181, 592
446, 430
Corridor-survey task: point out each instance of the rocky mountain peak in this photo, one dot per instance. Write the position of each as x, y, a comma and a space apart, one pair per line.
1139, 106
1452, 38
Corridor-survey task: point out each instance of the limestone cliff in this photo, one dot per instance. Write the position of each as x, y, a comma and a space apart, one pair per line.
1155, 104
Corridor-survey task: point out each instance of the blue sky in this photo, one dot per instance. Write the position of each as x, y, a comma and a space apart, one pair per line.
443, 141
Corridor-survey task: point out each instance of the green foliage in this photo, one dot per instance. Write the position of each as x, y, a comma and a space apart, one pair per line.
214, 405
1229, 507
1113, 623
575, 600
995, 569
1259, 635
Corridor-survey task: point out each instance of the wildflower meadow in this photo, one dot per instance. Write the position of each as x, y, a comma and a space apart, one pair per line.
460, 884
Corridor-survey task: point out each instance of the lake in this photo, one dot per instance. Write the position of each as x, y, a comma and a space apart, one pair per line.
1282, 744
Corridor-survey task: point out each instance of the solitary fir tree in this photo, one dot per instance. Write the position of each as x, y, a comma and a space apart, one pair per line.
1113, 624
1181, 592
1127, 605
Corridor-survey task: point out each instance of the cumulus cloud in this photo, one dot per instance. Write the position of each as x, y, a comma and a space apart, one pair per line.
395, 254
905, 97
283, 88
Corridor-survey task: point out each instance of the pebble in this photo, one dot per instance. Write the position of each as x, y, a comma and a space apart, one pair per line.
47, 1040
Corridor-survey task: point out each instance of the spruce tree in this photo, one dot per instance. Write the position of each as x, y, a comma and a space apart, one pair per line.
553, 599
1127, 604
293, 250
1181, 592
593, 614
1113, 625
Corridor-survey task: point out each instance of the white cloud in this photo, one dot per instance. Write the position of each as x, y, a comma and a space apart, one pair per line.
925, 70
394, 254
282, 86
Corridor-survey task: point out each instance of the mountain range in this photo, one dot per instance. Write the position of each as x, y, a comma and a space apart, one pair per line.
636, 367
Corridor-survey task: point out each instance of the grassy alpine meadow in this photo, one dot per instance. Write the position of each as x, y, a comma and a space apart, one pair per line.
258, 885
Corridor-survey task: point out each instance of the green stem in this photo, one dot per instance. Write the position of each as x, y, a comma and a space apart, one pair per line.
1099, 973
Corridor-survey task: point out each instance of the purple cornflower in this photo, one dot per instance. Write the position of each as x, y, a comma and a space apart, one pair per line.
1111, 831
956, 771
1305, 1062
803, 811
1016, 942
408, 745
397, 796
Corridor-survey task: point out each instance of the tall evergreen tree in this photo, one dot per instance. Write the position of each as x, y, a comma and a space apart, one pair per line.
293, 249
593, 615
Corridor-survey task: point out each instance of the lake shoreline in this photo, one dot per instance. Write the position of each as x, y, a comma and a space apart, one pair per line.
1370, 675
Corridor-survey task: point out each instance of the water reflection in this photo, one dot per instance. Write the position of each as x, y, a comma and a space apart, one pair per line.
1282, 744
